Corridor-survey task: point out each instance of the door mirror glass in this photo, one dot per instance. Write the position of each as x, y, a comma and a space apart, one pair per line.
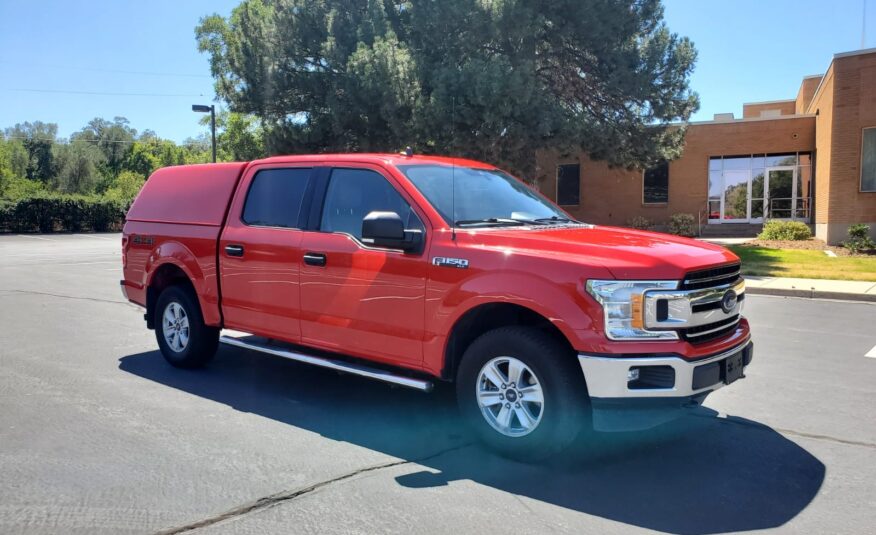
386, 229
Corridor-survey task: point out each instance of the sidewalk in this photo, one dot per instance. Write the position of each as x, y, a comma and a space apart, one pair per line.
814, 288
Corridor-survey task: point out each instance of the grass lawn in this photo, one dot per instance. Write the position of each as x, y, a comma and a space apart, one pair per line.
805, 264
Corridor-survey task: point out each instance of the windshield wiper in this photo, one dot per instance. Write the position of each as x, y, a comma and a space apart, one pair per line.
492, 221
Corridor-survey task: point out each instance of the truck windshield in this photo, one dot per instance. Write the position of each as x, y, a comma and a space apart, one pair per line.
484, 197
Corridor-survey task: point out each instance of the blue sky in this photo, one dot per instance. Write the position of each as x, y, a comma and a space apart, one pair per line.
749, 50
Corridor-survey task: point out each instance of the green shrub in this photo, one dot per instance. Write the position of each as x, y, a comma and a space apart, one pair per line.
15, 188
125, 187
785, 230
859, 231
6, 209
639, 222
859, 239
46, 212
683, 225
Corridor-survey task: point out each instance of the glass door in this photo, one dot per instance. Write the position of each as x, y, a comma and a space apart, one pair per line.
734, 202
758, 200
781, 194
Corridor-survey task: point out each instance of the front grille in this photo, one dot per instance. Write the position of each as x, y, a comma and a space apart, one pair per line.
713, 305
707, 278
704, 333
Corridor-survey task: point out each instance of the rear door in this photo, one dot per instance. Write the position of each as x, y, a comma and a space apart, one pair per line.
260, 251
359, 299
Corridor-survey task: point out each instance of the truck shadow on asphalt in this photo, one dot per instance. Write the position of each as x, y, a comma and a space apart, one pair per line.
701, 474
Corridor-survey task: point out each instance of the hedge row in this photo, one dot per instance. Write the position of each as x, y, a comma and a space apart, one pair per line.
60, 213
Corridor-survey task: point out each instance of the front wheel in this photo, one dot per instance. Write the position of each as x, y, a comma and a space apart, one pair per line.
184, 339
522, 393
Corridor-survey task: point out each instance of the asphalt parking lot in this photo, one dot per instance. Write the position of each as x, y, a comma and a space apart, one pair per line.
99, 435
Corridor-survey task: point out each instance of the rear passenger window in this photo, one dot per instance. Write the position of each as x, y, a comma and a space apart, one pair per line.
354, 193
275, 197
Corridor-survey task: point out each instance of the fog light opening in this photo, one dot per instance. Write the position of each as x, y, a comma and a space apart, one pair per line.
651, 377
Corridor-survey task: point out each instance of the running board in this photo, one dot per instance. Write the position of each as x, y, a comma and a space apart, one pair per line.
339, 365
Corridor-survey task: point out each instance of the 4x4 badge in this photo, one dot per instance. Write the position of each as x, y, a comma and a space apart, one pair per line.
460, 263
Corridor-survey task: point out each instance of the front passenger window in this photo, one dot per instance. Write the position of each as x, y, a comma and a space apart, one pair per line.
354, 193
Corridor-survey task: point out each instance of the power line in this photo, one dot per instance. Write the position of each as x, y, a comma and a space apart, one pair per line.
62, 141
101, 93
117, 71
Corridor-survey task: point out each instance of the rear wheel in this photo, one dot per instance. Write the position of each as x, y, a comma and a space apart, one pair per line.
184, 339
521, 392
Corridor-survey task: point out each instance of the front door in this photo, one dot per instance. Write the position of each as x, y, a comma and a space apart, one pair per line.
780, 188
355, 298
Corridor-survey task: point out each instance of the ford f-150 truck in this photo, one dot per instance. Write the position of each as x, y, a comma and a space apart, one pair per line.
417, 269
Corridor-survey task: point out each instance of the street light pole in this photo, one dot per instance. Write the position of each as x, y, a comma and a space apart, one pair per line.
201, 108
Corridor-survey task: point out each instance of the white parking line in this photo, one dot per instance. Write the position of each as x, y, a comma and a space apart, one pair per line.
871, 353
84, 263
95, 237
95, 253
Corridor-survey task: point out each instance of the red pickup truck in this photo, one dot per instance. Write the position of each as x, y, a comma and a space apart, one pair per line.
416, 269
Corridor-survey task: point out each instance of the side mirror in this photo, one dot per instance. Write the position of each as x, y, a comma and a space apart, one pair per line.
386, 229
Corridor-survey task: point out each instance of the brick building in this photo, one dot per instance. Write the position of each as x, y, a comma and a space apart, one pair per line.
811, 158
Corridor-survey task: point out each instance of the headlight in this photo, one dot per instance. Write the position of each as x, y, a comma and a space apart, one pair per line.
622, 303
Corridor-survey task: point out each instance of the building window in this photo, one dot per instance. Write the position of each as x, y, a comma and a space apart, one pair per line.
656, 184
569, 184
868, 160
755, 187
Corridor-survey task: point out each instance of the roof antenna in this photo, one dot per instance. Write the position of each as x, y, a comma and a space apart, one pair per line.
452, 172
864, 26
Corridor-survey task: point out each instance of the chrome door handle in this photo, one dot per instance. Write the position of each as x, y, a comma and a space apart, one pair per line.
234, 250
314, 259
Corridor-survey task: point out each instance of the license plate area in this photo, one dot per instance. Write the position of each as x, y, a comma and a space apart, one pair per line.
731, 367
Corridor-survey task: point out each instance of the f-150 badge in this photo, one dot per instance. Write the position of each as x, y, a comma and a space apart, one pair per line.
444, 261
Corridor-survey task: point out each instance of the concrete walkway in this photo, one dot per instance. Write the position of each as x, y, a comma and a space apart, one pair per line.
814, 288
727, 241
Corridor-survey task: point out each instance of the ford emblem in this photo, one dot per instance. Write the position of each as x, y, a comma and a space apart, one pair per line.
728, 302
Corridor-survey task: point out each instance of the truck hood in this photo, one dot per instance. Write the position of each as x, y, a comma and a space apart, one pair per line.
626, 253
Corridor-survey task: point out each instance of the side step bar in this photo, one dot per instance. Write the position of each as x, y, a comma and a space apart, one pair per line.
348, 367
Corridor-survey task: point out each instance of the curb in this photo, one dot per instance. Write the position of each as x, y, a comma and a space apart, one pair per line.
811, 294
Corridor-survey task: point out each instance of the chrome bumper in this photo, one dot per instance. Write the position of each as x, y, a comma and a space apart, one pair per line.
608, 377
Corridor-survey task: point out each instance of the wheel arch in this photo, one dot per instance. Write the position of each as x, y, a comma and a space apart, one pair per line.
485, 317
166, 275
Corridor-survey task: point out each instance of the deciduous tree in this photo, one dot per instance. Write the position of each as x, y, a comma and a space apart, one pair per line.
37, 138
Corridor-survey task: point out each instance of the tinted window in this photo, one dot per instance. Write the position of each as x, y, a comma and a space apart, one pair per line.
569, 184
274, 198
868, 160
354, 193
657, 183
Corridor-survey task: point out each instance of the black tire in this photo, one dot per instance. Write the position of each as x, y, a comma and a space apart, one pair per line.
202, 339
565, 410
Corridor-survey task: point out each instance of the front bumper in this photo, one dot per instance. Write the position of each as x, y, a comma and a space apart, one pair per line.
666, 384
